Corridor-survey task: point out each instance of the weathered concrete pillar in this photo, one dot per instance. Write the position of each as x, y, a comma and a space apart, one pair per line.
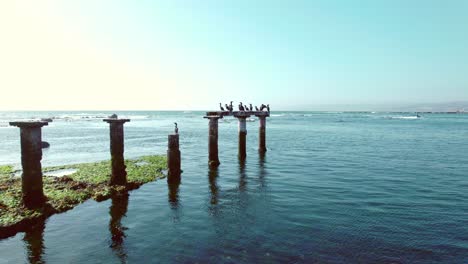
173, 158
262, 134
242, 137
31, 155
213, 158
119, 175
173, 194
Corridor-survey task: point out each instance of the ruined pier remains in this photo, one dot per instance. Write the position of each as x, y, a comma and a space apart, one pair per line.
31, 155
213, 117
119, 174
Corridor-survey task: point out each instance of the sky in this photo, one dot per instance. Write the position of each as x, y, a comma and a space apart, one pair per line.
191, 55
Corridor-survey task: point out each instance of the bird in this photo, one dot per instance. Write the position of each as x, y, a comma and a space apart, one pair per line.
176, 129
227, 107
241, 107
268, 108
251, 107
262, 106
256, 108
221, 107
231, 108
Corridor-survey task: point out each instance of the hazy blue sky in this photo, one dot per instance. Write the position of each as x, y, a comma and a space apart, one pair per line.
171, 54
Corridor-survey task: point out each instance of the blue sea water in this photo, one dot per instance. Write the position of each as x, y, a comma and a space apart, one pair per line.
333, 187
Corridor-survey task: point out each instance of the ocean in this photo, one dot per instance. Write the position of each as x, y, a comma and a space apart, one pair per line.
333, 187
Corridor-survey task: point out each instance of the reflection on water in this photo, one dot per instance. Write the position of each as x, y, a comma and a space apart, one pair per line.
34, 241
242, 175
173, 199
261, 169
117, 211
212, 177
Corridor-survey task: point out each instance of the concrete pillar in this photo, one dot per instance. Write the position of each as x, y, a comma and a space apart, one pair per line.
31, 155
242, 137
173, 194
262, 134
213, 158
173, 158
119, 175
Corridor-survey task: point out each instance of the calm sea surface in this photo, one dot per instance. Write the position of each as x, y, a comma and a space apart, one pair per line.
332, 188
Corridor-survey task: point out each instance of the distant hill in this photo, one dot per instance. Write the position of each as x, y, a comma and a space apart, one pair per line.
440, 107
461, 106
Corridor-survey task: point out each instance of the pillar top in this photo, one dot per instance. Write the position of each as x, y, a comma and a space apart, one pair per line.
238, 113
114, 119
31, 123
213, 116
262, 114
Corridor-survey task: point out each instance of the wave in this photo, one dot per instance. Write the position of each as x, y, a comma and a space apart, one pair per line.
135, 116
404, 117
91, 117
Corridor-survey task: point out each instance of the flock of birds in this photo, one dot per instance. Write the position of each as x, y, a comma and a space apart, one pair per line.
242, 107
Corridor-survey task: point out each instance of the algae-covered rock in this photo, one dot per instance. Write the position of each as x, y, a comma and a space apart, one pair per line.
90, 180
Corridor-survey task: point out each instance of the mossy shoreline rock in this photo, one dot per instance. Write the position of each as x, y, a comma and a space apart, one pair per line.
63, 193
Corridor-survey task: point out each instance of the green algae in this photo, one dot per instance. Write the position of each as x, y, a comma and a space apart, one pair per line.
6, 171
90, 180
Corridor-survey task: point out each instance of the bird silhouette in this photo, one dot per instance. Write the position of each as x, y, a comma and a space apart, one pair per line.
241, 107
221, 107
251, 107
268, 108
176, 129
256, 108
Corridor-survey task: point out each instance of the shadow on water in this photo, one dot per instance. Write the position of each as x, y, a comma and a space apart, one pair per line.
34, 240
117, 211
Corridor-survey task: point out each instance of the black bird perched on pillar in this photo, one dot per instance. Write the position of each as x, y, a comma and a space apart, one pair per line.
256, 108
268, 108
227, 107
262, 107
231, 107
221, 107
176, 129
241, 107
251, 107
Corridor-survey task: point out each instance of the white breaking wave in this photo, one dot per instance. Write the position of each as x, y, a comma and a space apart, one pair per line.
404, 117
